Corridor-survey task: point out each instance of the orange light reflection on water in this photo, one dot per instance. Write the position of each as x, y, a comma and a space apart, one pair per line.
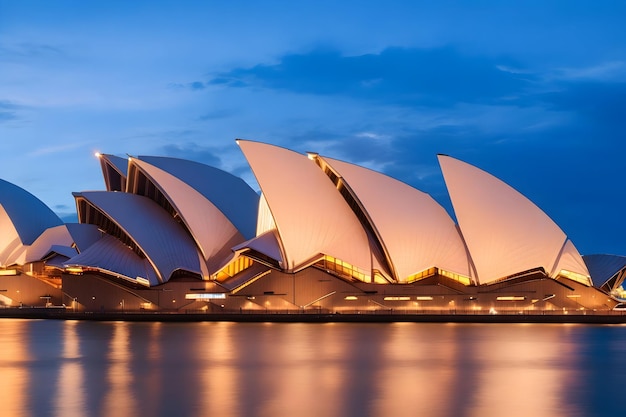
69, 400
14, 356
119, 400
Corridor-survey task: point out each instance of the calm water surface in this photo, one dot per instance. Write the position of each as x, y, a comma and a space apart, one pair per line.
117, 369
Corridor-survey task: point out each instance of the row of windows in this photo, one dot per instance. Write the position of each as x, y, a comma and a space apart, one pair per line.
342, 268
238, 265
421, 275
583, 279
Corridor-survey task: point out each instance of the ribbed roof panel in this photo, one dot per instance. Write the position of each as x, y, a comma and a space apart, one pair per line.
211, 229
417, 232
310, 214
110, 255
602, 267
230, 194
505, 232
158, 235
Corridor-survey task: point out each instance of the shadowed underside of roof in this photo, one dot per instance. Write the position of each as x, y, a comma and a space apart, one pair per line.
159, 237
114, 171
110, 255
604, 267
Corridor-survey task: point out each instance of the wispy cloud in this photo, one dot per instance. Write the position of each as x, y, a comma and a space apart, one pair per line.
607, 71
406, 76
191, 151
57, 148
30, 50
7, 111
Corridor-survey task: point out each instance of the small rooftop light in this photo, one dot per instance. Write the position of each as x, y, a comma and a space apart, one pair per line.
97, 154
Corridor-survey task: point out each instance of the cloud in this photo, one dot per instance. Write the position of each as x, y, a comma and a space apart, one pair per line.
57, 148
217, 114
196, 85
599, 106
606, 71
405, 76
7, 111
191, 151
30, 50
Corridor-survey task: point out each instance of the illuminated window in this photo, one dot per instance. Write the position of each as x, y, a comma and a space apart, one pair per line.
397, 298
583, 279
380, 278
432, 271
457, 277
236, 266
511, 298
205, 296
421, 275
341, 268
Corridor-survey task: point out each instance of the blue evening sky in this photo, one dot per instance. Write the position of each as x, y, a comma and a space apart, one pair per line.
533, 92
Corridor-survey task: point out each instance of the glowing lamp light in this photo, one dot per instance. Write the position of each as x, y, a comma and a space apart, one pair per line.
97, 154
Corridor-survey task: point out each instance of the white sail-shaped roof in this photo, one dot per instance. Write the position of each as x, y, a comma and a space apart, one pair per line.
54, 236
504, 231
23, 218
229, 193
112, 256
266, 243
11, 246
29, 215
571, 261
416, 231
310, 215
211, 229
161, 239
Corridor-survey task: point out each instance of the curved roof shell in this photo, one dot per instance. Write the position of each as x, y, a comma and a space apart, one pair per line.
416, 231
50, 241
230, 194
110, 255
605, 267
28, 215
504, 231
114, 171
84, 235
311, 217
212, 231
159, 237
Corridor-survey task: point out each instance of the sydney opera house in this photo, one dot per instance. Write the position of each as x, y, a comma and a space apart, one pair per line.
322, 235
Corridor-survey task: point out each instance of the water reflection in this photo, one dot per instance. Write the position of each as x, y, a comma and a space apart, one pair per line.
70, 401
120, 398
52, 368
14, 373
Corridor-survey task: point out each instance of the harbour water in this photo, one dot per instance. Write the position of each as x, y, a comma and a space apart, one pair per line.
118, 369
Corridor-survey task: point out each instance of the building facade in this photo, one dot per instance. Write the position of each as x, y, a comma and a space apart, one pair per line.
322, 235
